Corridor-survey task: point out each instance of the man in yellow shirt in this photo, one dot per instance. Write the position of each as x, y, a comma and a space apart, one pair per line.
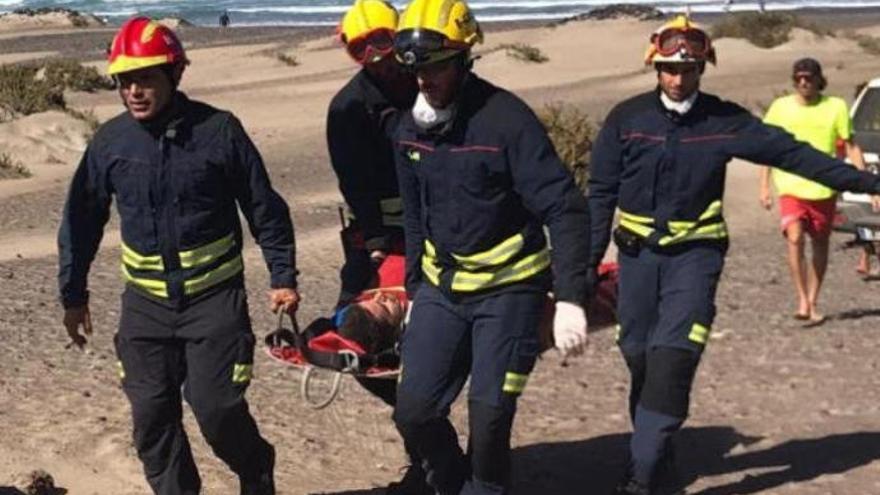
807, 207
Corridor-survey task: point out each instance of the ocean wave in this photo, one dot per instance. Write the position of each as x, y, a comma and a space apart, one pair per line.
328, 12
304, 9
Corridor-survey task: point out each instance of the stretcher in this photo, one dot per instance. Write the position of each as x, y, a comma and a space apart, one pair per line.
319, 349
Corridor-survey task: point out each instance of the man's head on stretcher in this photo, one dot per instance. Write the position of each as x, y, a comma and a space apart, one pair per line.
373, 322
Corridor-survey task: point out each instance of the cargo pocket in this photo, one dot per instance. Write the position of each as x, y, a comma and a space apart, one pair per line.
243, 369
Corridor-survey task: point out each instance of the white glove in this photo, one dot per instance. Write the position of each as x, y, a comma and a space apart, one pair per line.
570, 328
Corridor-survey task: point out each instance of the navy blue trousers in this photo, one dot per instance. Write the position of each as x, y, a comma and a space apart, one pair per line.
495, 341
666, 308
206, 349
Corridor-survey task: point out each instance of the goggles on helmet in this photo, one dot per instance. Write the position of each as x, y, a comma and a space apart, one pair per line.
372, 46
693, 42
416, 47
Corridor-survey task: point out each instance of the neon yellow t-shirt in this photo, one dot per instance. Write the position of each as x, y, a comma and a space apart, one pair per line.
820, 125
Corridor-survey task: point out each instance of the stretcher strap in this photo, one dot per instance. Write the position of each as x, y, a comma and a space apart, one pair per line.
349, 362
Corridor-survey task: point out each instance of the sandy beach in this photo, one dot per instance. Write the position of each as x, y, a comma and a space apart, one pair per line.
777, 408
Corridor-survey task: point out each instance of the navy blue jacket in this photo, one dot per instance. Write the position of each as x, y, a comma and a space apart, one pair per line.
176, 187
360, 124
489, 175
655, 163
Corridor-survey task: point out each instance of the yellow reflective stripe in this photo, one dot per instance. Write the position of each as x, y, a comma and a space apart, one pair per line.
120, 370
139, 261
521, 270
207, 253
637, 224
223, 272
157, 288
713, 210
711, 231
632, 217
498, 255
392, 221
430, 270
392, 212
514, 383
618, 331
699, 334
242, 373
391, 206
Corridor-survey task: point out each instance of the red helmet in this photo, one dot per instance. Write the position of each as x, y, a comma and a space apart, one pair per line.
142, 42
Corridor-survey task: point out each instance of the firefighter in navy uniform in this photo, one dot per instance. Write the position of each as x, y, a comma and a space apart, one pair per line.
179, 170
479, 179
661, 158
360, 121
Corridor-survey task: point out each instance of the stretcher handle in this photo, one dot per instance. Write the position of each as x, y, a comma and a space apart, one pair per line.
293, 322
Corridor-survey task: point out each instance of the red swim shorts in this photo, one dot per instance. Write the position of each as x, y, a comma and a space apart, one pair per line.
815, 215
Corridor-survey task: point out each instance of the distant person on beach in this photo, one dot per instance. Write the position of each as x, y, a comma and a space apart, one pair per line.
727, 5
660, 160
224, 19
360, 120
806, 207
761, 7
180, 171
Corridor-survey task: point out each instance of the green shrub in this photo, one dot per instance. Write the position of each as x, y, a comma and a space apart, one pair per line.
287, 59
11, 168
868, 43
38, 87
22, 93
572, 135
765, 30
523, 52
69, 74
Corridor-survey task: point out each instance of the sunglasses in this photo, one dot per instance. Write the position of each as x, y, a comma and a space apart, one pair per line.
803, 77
693, 41
421, 47
372, 46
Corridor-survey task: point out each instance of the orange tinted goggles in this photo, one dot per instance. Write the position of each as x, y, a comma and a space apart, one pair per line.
693, 41
371, 46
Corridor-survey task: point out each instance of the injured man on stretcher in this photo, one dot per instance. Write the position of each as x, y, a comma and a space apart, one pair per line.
375, 319
366, 326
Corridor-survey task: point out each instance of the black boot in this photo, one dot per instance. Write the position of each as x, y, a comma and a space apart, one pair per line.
631, 487
264, 484
413, 483
667, 479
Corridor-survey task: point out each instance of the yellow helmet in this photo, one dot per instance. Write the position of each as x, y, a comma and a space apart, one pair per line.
680, 41
433, 30
366, 16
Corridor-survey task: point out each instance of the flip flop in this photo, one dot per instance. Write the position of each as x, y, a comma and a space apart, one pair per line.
800, 316
815, 322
